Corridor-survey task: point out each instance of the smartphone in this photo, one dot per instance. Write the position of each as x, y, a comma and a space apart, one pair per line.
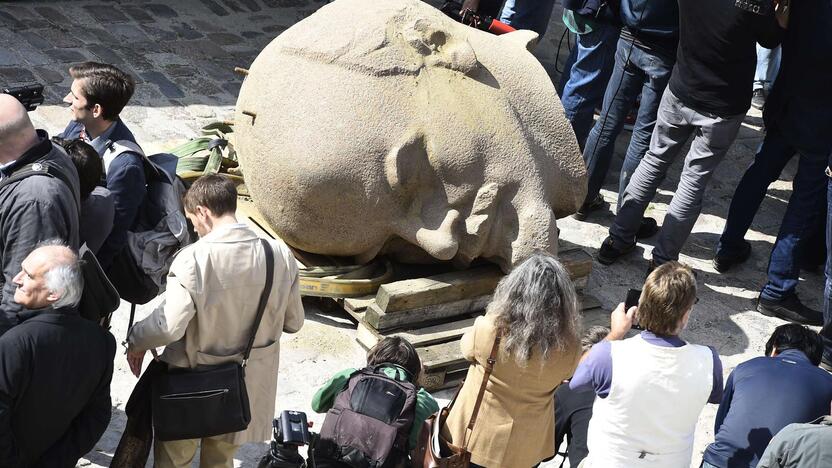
632, 301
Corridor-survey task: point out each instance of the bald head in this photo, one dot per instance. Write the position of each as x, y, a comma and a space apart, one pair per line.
49, 276
17, 134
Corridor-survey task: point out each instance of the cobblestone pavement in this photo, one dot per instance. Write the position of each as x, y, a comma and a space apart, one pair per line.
183, 54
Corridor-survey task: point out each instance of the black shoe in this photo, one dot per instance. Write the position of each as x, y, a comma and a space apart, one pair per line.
648, 228
758, 99
723, 263
609, 253
790, 309
596, 204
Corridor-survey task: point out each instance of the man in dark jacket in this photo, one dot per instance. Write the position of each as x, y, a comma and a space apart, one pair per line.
643, 62
55, 367
97, 96
798, 118
707, 97
765, 394
42, 206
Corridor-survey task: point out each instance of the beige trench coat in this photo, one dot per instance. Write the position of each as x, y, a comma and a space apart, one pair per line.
515, 427
213, 289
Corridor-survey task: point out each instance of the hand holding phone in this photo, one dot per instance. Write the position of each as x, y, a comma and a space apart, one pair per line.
633, 296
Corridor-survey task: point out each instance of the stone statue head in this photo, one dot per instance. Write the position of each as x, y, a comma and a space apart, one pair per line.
384, 127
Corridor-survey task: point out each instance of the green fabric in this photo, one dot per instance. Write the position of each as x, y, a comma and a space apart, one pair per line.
578, 24
425, 404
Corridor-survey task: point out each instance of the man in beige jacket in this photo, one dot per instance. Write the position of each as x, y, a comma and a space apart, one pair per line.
210, 305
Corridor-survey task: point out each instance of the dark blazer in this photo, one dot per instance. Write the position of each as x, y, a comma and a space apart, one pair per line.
55, 372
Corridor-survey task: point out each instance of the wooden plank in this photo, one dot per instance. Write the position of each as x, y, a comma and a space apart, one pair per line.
358, 304
367, 336
384, 321
439, 289
247, 212
444, 355
577, 262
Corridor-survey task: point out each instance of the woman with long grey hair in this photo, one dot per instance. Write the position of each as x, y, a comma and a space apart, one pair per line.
535, 321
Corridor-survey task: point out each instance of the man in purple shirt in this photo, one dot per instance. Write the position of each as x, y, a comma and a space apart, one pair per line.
653, 384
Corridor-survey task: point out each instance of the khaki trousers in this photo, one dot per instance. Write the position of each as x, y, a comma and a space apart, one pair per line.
214, 453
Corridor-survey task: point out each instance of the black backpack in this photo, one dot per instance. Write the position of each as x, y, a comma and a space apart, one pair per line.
369, 424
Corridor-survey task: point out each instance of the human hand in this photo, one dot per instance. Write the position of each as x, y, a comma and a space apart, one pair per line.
781, 12
135, 359
621, 322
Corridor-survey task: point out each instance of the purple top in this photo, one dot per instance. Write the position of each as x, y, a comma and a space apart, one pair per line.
595, 371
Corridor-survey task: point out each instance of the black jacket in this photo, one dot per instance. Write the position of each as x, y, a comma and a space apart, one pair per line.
32, 210
55, 372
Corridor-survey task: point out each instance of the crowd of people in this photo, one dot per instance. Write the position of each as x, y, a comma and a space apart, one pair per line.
684, 68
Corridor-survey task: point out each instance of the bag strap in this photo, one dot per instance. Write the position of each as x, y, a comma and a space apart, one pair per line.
264, 297
489, 366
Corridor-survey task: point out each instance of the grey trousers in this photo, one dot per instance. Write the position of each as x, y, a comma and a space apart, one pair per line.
675, 122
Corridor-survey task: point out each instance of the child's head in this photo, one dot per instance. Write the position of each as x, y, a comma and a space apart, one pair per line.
395, 350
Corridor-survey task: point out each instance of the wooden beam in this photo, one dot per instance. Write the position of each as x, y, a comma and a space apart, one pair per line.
439, 289
381, 320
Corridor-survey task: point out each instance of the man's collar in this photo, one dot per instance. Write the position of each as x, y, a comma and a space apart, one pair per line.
39, 150
101, 142
793, 356
26, 314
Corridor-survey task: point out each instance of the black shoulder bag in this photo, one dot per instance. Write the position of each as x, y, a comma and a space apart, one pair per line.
209, 400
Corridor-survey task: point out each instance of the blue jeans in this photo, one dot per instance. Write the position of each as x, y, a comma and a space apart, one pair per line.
528, 14
801, 216
826, 331
768, 64
584, 85
646, 73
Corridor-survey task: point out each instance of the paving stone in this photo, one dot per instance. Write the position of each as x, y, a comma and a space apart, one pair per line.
225, 38
8, 57
177, 70
161, 11
285, 3
66, 55
16, 75
251, 34
129, 32
21, 13
158, 34
232, 87
9, 21
105, 54
53, 15
134, 58
233, 6
196, 85
31, 55
218, 70
49, 75
251, 4
93, 35
35, 40
274, 28
215, 8
138, 13
108, 15
167, 87
260, 19
196, 49
186, 31
207, 26
61, 39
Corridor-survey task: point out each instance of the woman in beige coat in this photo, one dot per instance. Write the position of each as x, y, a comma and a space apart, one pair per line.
536, 312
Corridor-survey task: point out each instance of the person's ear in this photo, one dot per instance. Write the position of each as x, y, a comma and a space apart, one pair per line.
97, 110
53, 297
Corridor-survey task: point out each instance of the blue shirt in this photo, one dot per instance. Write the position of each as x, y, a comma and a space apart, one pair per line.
761, 397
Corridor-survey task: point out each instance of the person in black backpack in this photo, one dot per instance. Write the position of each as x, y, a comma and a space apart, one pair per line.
373, 414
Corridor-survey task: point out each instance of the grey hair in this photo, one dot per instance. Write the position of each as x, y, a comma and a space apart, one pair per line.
536, 308
64, 278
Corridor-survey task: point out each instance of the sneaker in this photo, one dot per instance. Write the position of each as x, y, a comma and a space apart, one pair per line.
723, 263
790, 309
648, 228
596, 204
758, 99
609, 253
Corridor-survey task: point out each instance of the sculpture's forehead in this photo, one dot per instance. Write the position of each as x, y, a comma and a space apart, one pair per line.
383, 39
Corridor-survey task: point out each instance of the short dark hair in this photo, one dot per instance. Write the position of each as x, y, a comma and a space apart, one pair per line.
799, 337
87, 162
669, 291
213, 191
104, 85
396, 350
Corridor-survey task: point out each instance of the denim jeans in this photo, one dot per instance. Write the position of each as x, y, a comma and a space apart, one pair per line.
646, 73
800, 220
768, 64
528, 14
675, 123
583, 86
826, 331
707, 465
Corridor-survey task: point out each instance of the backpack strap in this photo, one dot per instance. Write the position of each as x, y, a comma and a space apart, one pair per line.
377, 369
41, 169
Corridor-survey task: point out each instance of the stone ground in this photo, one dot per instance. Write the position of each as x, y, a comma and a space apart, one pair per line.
182, 55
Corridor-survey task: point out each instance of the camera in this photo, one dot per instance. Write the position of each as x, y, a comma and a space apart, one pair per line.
30, 95
758, 7
633, 296
290, 432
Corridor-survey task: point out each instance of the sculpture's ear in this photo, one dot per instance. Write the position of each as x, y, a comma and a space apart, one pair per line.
440, 48
523, 37
426, 219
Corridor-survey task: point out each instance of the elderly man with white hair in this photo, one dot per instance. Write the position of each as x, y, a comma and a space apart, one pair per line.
55, 367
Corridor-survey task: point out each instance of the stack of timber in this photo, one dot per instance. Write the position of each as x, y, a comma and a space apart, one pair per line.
431, 311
